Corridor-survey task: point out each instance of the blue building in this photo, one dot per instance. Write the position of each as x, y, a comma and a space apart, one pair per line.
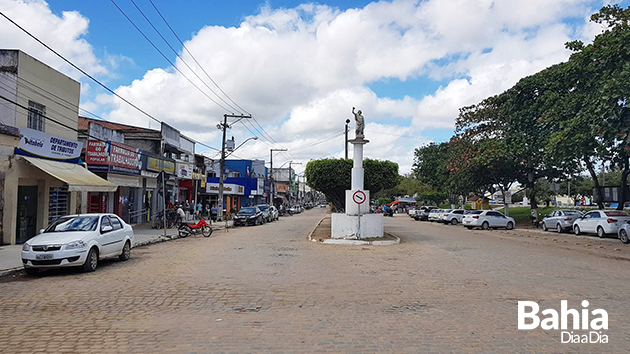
246, 183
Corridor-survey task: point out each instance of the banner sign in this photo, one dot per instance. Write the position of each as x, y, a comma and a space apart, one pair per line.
112, 157
155, 164
39, 144
228, 188
184, 170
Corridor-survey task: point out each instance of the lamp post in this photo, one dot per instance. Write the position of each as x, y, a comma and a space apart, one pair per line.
346, 144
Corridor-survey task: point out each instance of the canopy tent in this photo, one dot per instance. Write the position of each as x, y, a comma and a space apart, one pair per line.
79, 179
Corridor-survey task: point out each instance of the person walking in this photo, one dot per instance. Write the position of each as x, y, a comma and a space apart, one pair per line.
214, 211
199, 209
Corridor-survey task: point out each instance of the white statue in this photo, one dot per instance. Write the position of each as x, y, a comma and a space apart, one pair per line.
360, 123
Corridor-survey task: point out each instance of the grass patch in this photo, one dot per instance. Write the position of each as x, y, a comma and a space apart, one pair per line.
521, 214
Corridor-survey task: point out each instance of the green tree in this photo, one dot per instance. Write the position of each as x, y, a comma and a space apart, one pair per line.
332, 177
430, 163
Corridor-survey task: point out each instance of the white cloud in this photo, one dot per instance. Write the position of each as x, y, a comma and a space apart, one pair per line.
63, 33
300, 70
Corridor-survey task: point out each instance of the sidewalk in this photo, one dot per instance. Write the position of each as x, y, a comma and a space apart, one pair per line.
11, 261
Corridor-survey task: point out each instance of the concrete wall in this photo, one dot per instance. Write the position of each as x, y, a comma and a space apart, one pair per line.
345, 226
34, 79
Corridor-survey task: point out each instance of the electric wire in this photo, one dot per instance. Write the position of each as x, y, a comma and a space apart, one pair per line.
180, 57
90, 76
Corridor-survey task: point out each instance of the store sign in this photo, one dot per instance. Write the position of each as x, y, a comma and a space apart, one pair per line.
155, 164
184, 170
112, 157
228, 188
40, 144
124, 159
282, 187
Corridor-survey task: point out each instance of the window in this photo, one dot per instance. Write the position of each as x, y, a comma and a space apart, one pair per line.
36, 113
115, 223
212, 174
105, 222
58, 203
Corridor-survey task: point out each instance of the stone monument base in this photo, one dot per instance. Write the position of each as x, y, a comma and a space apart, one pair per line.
345, 226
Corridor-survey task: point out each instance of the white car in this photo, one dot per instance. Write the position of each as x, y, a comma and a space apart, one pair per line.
78, 241
444, 213
487, 219
454, 217
435, 215
273, 211
601, 222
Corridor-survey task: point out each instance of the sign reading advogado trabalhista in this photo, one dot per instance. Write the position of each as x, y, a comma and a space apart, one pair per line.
40, 144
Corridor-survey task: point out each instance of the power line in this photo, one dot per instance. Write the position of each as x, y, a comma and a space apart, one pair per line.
91, 77
193, 57
179, 56
165, 57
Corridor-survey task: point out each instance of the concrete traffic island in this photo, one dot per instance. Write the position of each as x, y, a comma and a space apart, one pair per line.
322, 234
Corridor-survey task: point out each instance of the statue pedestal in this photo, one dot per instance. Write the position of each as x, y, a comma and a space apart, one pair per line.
357, 222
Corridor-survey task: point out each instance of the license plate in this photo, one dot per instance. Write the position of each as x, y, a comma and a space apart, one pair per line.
467, 222
43, 257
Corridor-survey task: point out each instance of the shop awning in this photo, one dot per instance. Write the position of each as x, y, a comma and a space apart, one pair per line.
79, 179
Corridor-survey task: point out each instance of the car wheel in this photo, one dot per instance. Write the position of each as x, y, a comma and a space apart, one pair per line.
600, 232
126, 252
559, 228
576, 230
509, 226
31, 271
623, 236
485, 226
454, 222
544, 226
469, 228
206, 230
91, 262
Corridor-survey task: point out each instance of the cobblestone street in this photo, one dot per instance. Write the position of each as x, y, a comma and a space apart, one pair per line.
267, 289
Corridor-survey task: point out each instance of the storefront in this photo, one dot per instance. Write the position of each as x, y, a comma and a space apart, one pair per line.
119, 164
232, 194
43, 182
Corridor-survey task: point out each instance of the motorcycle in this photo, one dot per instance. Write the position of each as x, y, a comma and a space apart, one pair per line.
202, 227
388, 212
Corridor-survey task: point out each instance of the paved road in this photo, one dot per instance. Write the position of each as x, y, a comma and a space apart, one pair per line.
266, 289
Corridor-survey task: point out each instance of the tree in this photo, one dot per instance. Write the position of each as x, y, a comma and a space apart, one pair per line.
332, 177
430, 163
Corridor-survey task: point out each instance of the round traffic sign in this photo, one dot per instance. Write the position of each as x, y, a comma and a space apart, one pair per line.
359, 197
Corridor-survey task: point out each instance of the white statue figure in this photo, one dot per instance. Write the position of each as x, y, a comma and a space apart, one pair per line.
360, 123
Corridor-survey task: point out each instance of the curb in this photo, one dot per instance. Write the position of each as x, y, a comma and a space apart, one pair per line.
6, 272
363, 243
310, 234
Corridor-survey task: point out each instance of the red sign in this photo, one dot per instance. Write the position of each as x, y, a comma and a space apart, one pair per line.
112, 157
359, 197
97, 154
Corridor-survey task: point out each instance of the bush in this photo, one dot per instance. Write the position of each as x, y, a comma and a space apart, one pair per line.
445, 206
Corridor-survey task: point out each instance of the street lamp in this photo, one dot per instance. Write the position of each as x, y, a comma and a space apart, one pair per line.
346, 146
243, 143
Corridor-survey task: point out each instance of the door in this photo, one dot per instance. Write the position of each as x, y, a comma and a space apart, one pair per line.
107, 238
118, 234
590, 222
26, 213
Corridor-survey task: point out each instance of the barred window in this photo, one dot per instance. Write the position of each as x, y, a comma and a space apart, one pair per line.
36, 113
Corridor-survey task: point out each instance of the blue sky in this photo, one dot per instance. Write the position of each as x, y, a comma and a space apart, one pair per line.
300, 67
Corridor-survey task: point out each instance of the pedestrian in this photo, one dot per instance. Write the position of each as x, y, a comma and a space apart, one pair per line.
199, 209
214, 211
191, 208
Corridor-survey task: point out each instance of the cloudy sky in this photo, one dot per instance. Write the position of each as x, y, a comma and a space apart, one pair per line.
298, 68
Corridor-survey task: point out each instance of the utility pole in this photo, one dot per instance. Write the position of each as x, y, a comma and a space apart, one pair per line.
271, 171
346, 144
224, 126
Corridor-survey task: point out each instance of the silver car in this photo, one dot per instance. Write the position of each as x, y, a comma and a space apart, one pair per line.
560, 220
624, 231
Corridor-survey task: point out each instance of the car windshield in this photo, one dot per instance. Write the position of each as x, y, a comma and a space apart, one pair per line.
263, 207
248, 211
475, 212
74, 223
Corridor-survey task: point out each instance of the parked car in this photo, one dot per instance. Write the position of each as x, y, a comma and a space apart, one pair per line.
423, 214
487, 219
249, 216
624, 231
443, 214
454, 217
275, 215
295, 209
560, 220
435, 215
266, 212
78, 241
601, 222
413, 212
